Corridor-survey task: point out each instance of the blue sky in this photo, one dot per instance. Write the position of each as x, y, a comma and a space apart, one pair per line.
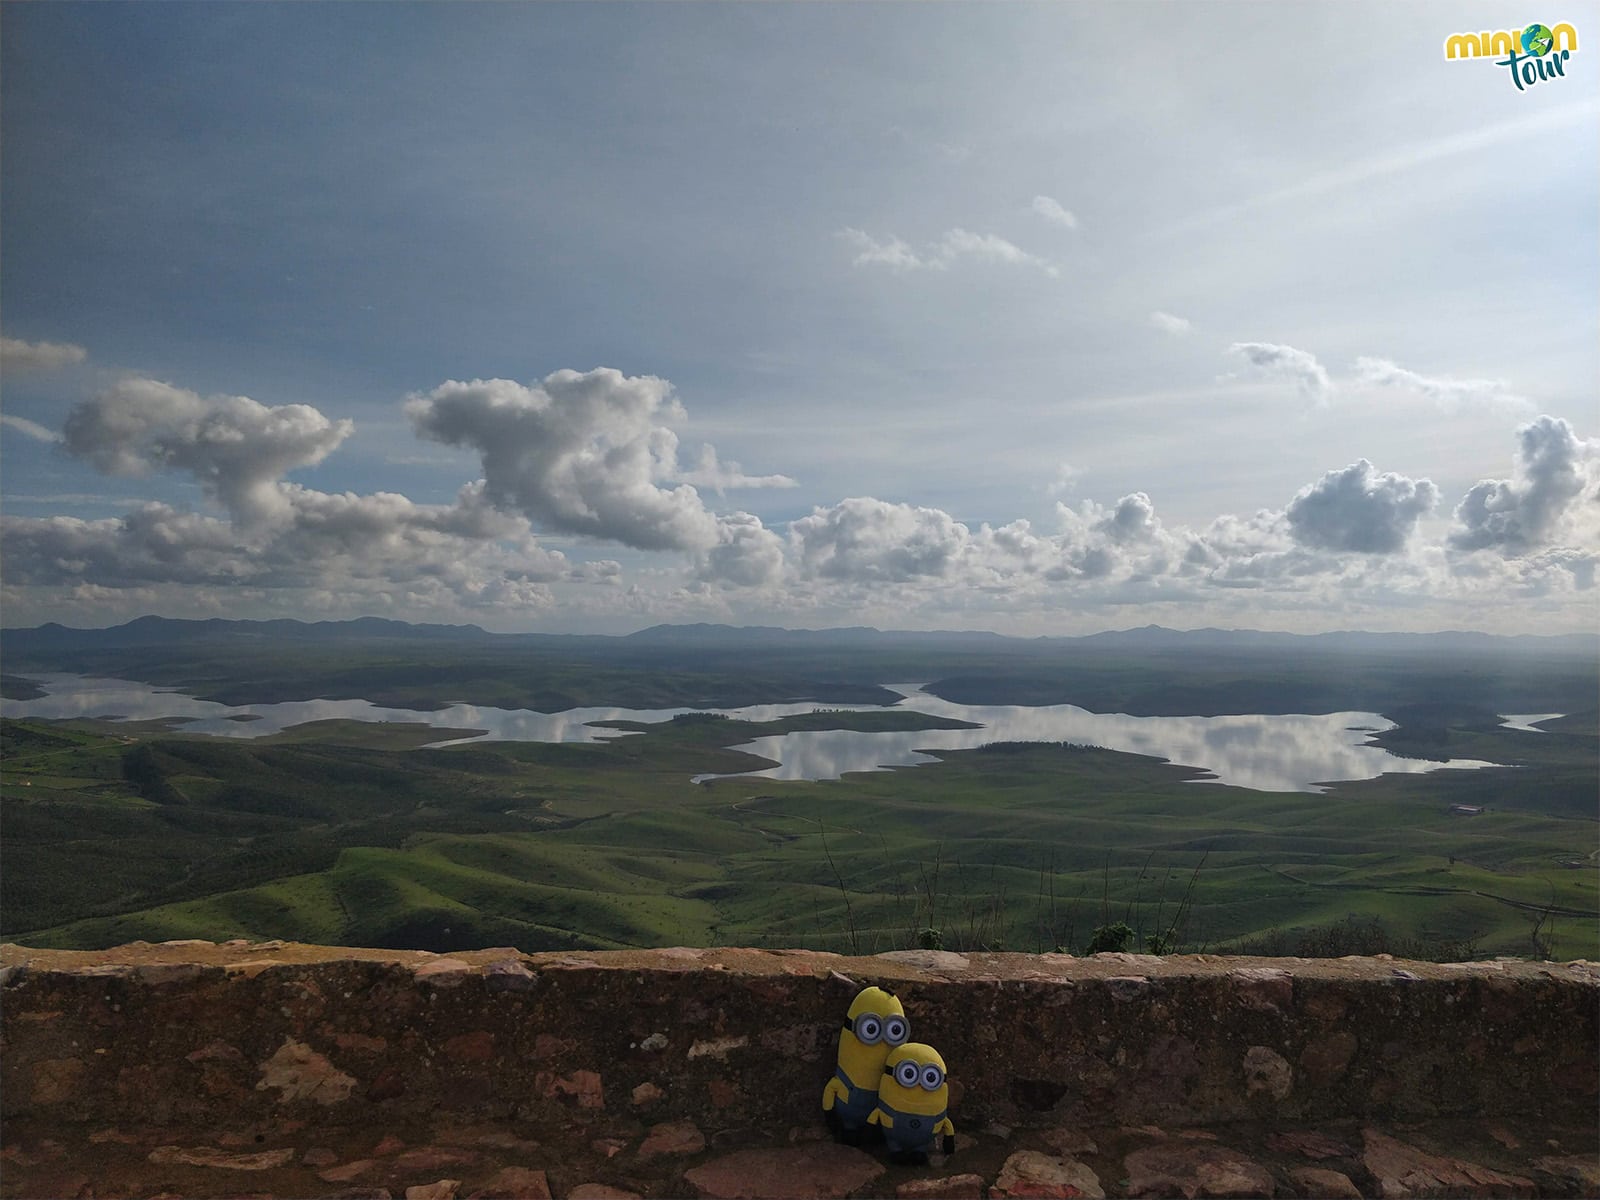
1038, 318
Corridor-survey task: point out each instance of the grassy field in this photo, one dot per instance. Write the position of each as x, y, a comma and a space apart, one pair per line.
343, 832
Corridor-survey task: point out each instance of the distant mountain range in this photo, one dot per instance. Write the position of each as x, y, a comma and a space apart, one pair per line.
152, 631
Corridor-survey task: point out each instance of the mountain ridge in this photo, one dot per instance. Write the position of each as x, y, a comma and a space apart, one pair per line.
153, 630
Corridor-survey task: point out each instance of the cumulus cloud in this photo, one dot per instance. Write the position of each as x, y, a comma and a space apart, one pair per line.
578, 453
1448, 394
747, 553
950, 248
1167, 323
236, 447
29, 428
1356, 510
709, 472
1052, 211
1285, 362
340, 541
277, 534
1133, 520
1518, 515
18, 355
863, 539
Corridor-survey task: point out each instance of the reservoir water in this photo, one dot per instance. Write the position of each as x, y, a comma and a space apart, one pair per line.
1295, 752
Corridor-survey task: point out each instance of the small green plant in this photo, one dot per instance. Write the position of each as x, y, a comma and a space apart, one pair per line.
1109, 938
930, 939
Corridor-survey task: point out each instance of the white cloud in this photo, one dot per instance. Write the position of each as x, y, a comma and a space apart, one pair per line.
894, 253
341, 542
278, 535
578, 453
1167, 323
709, 472
1285, 362
747, 554
1516, 516
29, 428
1052, 211
235, 447
18, 355
1356, 510
863, 539
1448, 394
951, 247
1066, 478
986, 247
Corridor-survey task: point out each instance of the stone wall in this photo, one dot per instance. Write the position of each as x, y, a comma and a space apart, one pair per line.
738, 1043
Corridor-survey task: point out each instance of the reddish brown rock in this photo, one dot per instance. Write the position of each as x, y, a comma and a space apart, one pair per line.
646, 1094
549, 1046
1403, 1171
610, 1147
816, 1171
360, 1042
600, 1191
1309, 1144
477, 1046
1033, 1174
319, 1156
433, 1158
214, 1050
101, 1136
347, 1173
513, 1183
1266, 1070
1325, 1059
443, 1189
1573, 1169
389, 1145
1266, 989
166, 974
1504, 1136
56, 1079
581, 1086
508, 975
724, 1093
443, 972
300, 1073
206, 1156
951, 1187
389, 1084
1070, 1142
1315, 1183
1190, 1170
673, 1137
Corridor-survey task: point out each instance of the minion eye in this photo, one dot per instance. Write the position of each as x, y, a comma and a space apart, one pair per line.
906, 1074
895, 1030
869, 1028
932, 1077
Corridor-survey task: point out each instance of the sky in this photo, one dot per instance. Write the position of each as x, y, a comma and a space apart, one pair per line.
1036, 318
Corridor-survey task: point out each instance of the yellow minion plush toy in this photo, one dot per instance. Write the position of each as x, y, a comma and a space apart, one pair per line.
875, 1025
913, 1103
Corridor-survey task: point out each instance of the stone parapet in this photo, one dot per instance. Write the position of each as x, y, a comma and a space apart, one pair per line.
195, 1034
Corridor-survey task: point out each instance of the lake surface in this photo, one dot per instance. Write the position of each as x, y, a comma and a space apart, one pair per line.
1268, 753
